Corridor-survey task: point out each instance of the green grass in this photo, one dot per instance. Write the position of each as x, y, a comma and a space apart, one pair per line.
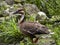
9, 32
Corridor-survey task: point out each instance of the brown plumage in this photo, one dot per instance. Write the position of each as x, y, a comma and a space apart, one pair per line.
32, 28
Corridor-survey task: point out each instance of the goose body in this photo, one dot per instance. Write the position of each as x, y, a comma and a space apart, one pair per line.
31, 28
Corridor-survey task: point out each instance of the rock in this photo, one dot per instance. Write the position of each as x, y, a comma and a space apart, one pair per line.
9, 2
5, 18
2, 19
46, 41
3, 6
12, 9
42, 15
1, 1
31, 9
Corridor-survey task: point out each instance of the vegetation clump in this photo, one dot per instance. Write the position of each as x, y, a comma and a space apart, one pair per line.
9, 30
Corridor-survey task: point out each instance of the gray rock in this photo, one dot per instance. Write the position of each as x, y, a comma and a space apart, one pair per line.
31, 9
46, 41
9, 2
42, 15
12, 9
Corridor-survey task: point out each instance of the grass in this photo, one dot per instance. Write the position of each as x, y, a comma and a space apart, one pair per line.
9, 32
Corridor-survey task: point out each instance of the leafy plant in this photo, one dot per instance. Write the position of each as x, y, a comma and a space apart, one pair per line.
9, 32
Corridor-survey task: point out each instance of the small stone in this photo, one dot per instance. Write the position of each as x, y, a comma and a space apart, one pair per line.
9, 2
